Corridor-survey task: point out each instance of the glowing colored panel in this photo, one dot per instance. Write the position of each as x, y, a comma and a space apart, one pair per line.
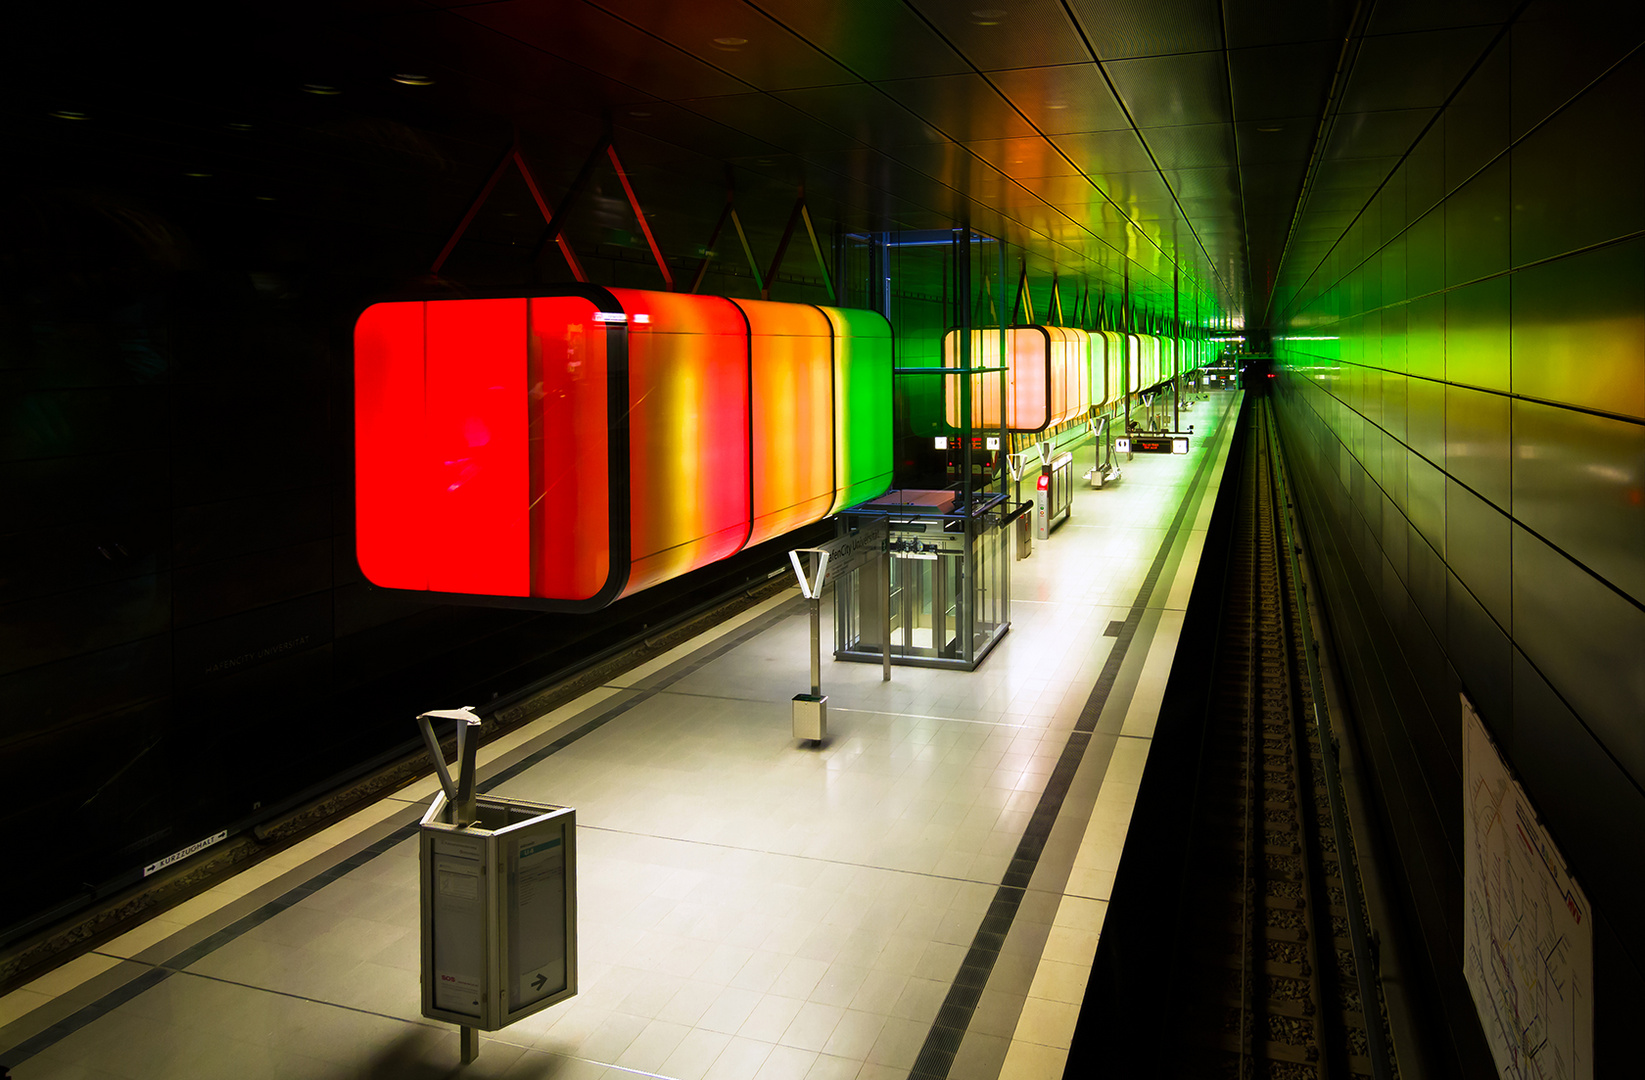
1097, 358
862, 405
1057, 389
571, 491
791, 359
1079, 358
688, 432
1029, 352
1070, 368
476, 425
390, 466
985, 389
1028, 379
1113, 357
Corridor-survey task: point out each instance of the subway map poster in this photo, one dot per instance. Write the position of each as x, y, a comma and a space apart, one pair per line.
1527, 934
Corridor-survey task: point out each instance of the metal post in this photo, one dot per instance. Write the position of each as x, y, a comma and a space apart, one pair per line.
885, 618
1176, 332
816, 644
468, 750
1125, 350
470, 1038
461, 793
962, 287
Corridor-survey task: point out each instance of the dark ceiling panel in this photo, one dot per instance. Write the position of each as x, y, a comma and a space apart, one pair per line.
1270, 141
1169, 91
1151, 29
1098, 153
1124, 188
876, 40
1282, 81
1409, 71
1395, 16
770, 120
947, 162
1000, 34
1271, 184
1376, 134
869, 167
1215, 183
474, 62
862, 112
736, 38
1195, 146
1277, 22
1061, 190
1361, 175
1024, 158
681, 127
1064, 98
963, 107
594, 38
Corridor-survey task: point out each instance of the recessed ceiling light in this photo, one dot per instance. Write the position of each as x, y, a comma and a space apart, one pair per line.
638, 112
413, 80
320, 88
1058, 105
731, 42
69, 114
1270, 129
265, 198
989, 16
198, 175
238, 125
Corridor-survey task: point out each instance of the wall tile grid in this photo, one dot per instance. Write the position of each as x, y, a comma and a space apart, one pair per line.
1463, 379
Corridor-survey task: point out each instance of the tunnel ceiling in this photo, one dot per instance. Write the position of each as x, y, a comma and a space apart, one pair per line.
1103, 140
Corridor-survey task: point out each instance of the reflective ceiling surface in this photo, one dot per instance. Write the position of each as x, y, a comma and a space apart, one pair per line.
1108, 141
1185, 147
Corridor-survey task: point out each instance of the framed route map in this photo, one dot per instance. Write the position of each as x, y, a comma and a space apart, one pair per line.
1527, 927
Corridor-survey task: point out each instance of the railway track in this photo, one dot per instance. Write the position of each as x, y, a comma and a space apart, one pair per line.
1277, 964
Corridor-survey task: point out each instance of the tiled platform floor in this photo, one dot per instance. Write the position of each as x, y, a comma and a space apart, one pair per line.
923, 893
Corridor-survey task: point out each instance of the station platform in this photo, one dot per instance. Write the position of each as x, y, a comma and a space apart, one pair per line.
920, 895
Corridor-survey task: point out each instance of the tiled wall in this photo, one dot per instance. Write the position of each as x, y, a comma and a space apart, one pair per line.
1462, 381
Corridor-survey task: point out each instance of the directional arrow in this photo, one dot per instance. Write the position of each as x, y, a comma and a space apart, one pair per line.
539, 982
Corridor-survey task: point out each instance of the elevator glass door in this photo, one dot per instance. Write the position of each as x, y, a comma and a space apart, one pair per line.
945, 605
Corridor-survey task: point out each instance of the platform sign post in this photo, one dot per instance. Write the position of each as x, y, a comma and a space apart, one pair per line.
498, 888
820, 567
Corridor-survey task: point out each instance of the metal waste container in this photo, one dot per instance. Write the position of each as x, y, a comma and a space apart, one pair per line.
498, 885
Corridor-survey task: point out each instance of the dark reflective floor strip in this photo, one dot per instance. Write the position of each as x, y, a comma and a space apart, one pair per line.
942, 1043
165, 969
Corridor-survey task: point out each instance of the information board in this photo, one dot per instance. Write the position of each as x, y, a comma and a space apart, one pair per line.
536, 915
1167, 443
459, 924
1527, 927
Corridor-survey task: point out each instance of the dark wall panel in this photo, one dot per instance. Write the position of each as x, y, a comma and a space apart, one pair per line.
1501, 462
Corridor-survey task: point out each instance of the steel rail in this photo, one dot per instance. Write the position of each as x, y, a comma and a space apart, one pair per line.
1348, 866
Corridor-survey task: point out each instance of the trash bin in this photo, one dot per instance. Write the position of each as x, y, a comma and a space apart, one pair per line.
498, 889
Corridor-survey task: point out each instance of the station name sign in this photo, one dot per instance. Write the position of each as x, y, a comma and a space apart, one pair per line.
838, 556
